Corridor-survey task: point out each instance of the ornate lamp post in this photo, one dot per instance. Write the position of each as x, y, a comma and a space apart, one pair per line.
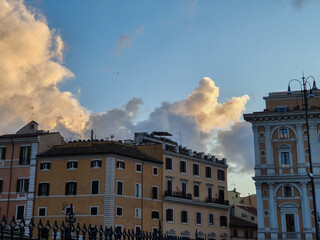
306, 96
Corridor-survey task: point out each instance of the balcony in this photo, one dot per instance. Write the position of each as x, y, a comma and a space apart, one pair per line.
178, 195
217, 200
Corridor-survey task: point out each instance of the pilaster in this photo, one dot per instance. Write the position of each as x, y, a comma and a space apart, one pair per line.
306, 211
300, 150
109, 192
261, 230
269, 150
256, 150
272, 212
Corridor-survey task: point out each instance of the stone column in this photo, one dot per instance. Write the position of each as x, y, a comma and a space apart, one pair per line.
261, 230
269, 151
273, 212
300, 150
306, 211
314, 146
256, 150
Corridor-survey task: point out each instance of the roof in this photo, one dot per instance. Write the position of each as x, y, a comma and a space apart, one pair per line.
39, 133
98, 147
238, 222
248, 209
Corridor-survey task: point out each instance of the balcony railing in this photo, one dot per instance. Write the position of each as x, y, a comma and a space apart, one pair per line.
217, 200
178, 194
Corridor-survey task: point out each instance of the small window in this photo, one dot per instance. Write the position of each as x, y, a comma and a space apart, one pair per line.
96, 163
169, 164
285, 159
169, 215
196, 190
138, 213
119, 187
2, 153
283, 133
43, 189
119, 211
20, 212
45, 166
208, 172
221, 175
155, 171
42, 211
211, 219
183, 166
120, 165
198, 218
138, 190
93, 211
25, 155
138, 168
94, 187
196, 170
184, 217
72, 165
22, 185
223, 221
154, 192
155, 215
118, 229
287, 191
71, 188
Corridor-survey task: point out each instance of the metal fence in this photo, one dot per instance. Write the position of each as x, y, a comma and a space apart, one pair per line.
20, 230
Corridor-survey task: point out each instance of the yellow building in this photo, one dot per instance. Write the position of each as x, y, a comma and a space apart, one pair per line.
108, 183
194, 188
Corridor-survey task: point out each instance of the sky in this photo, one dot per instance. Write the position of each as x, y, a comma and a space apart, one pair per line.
189, 67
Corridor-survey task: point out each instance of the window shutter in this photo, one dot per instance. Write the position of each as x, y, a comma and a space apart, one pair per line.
39, 189
29, 154
21, 155
99, 163
47, 190
195, 169
75, 189
168, 215
67, 191
49, 165
154, 193
76, 164
92, 163
26, 185
1, 183
3, 153
181, 167
18, 185
167, 163
68, 164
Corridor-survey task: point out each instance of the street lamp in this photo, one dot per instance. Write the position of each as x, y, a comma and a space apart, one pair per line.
306, 97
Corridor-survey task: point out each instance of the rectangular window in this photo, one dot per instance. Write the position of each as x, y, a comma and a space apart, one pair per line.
155, 215
43, 189
223, 221
119, 187
20, 212
183, 166
25, 155
72, 165
285, 158
95, 187
209, 189
220, 175
196, 169
2, 153
169, 215
119, 211
155, 171
22, 185
138, 190
138, 213
198, 218
211, 219
287, 191
71, 188
1, 185
96, 163
184, 188
94, 211
118, 229
138, 168
45, 166
154, 192
42, 211
169, 187
196, 190
208, 172
184, 216
120, 165
283, 133
290, 226
169, 164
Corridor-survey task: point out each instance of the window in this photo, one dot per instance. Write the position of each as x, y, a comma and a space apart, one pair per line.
45, 166
208, 172
209, 189
155, 214
119, 187
169, 164
72, 165
1, 184
287, 191
196, 190
154, 192
96, 163
285, 159
71, 188
20, 212
290, 224
42, 211
283, 133
169, 215
184, 216
118, 228
22, 185
155, 171
183, 166
223, 221
2, 153
211, 219
95, 187
184, 188
198, 218
138, 190
94, 211
120, 165
25, 155
138, 168
220, 175
119, 211
169, 186
138, 213
196, 169
43, 189
138, 231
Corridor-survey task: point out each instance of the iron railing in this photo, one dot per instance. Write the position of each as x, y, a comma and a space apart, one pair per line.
178, 194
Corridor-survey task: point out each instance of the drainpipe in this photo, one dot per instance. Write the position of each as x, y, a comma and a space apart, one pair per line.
10, 178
